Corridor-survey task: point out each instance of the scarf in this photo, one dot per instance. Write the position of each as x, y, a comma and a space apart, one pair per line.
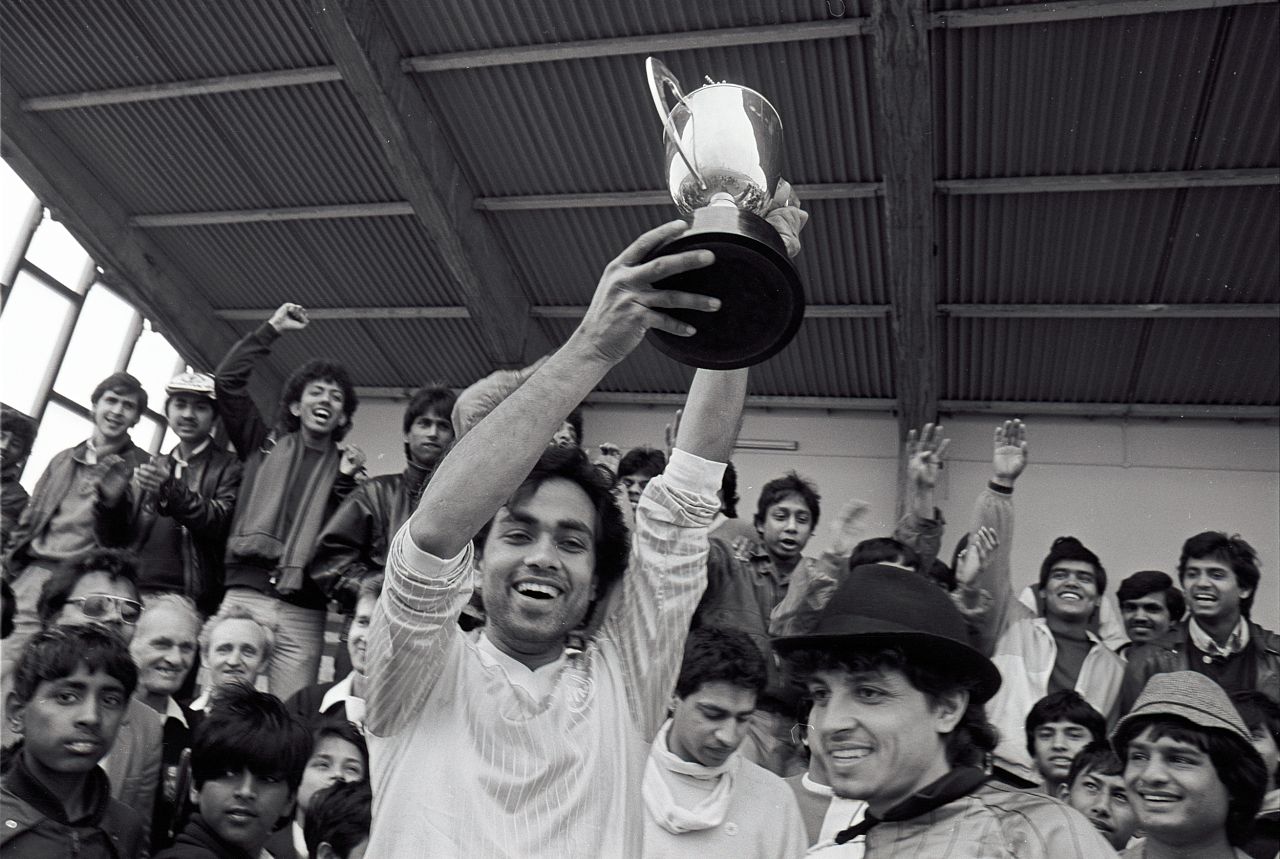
955, 784
662, 806
261, 511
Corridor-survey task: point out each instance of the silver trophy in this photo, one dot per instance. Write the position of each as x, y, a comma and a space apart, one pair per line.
723, 163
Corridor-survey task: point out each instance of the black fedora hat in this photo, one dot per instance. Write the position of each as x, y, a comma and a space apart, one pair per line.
877, 605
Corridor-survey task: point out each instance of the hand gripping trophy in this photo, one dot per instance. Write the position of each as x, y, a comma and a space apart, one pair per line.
723, 164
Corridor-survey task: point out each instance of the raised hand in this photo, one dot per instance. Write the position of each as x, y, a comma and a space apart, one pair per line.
626, 304
352, 460
849, 526
150, 476
924, 450
289, 317
787, 217
1009, 457
975, 556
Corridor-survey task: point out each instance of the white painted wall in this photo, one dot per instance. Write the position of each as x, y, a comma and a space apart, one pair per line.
1130, 490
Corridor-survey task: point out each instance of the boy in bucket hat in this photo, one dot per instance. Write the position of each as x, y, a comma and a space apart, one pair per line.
177, 509
898, 697
1191, 771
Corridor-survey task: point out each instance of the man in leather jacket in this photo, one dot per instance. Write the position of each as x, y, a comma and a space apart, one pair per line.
178, 508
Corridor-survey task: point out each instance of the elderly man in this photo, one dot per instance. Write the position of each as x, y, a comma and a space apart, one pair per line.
545, 748
236, 646
898, 698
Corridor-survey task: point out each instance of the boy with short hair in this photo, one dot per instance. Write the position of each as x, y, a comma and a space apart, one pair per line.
338, 754
246, 764
1195, 780
1058, 727
1095, 788
338, 825
636, 468
1262, 717
71, 688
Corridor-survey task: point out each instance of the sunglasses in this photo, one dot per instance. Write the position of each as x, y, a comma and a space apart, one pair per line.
97, 606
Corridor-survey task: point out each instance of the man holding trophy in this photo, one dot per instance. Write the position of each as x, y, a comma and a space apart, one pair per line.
511, 745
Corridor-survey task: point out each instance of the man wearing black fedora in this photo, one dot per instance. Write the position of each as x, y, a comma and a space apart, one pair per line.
898, 717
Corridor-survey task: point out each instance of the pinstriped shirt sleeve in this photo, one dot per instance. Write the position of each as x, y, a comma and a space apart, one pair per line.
413, 630
663, 583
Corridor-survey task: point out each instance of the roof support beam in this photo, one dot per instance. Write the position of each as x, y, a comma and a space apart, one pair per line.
1072, 10
184, 89
431, 179
1250, 177
134, 264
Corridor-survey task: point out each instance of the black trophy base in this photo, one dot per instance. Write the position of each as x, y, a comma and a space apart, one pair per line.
761, 298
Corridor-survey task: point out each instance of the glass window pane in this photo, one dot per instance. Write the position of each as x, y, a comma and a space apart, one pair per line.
29, 327
15, 200
154, 362
60, 429
57, 253
104, 323
147, 433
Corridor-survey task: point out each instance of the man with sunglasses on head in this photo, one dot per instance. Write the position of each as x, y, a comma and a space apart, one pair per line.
100, 587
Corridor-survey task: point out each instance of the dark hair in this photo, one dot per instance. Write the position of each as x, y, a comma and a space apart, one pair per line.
121, 383
574, 420
612, 540
57, 652
115, 563
1236, 762
713, 653
729, 492
371, 586
20, 426
1232, 551
7, 609
1071, 549
317, 370
342, 731
883, 550
973, 738
1097, 757
642, 460
437, 398
942, 575
248, 729
340, 816
1146, 582
789, 484
1259, 713
1065, 705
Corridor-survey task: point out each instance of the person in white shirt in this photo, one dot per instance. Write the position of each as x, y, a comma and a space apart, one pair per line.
702, 796
509, 745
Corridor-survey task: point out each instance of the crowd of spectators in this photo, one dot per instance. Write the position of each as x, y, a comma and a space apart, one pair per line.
553, 653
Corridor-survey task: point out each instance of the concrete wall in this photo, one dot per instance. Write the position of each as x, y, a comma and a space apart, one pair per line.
1130, 490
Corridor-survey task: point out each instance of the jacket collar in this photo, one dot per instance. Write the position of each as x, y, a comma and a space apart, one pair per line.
22, 783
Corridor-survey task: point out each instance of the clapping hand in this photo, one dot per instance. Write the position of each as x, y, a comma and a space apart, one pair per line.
976, 555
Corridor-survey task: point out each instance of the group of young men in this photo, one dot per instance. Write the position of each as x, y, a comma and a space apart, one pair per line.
553, 656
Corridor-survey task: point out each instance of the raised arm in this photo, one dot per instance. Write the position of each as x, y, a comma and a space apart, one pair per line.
921, 525
240, 415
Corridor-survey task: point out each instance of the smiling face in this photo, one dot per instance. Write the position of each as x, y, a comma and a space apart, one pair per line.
880, 738
70, 723
1070, 591
164, 650
1213, 591
1146, 618
12, 448
190, 417
1105, 802
428, 438
538, 568
333, 760
115, 414
237, 651
710, 723
358, 635
243, 807
786, 528
122, 599
1056, 745
1175, 789
320, 411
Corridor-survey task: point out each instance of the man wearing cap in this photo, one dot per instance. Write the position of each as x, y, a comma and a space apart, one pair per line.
177, 509
1191, 771
898, 697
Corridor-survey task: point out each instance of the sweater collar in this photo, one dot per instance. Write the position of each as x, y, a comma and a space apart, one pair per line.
21, 781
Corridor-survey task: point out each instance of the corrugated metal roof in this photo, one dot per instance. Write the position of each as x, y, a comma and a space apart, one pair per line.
1225, 247
1213, 361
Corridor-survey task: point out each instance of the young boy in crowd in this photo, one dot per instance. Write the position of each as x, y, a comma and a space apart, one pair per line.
636, 468
246, 764
1262, 717
1058, 727
1192, 774
339, 754
71, 689
338, 825
1095, 788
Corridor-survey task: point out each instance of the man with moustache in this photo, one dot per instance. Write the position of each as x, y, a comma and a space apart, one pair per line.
1149, 604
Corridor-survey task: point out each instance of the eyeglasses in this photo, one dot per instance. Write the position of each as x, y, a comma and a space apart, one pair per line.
97, 606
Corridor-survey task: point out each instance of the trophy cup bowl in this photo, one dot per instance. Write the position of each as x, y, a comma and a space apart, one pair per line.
723, 163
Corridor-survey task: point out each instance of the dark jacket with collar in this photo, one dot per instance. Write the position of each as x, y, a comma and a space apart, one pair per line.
36, 825
198, 841
1171, 653
353, 544
202, 502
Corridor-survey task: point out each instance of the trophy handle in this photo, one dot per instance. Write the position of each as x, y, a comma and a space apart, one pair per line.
659, 74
